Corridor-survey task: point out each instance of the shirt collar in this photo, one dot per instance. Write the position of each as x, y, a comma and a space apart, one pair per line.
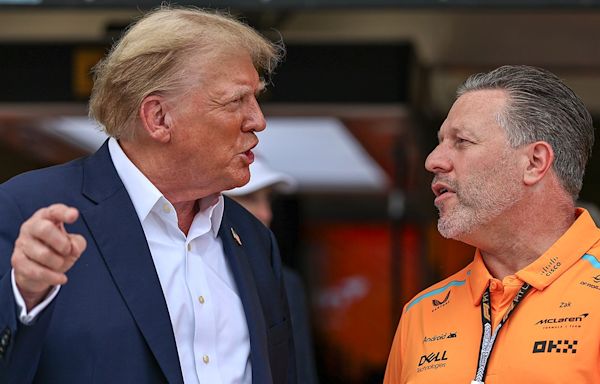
478, 278
144, 195
216, 215
565, 252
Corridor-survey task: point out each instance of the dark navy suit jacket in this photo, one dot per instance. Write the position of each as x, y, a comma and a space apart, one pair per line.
301, 328
110, 323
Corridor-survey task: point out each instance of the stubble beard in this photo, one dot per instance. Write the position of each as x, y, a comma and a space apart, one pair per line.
481, 198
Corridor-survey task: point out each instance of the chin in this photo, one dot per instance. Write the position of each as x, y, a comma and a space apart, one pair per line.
243, 177
452, 227
448, 233
238, 181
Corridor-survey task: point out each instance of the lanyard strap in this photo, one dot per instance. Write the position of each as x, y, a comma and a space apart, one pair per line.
488, 338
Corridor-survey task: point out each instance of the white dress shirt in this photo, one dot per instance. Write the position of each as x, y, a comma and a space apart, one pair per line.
204, 306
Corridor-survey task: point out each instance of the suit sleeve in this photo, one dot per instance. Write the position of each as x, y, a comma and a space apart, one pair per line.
20, 345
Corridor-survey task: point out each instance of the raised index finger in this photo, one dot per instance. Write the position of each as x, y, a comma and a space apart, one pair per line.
47, 226
58, 213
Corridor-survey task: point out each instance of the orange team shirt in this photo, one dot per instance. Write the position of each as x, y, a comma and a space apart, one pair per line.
552, 336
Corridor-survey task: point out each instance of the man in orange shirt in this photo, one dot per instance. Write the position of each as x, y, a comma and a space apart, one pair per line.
507, 172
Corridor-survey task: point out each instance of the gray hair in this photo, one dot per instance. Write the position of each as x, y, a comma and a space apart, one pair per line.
154, 53
542, 108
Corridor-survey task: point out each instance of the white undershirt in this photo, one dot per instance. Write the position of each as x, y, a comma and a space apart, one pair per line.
205, 309
212, 337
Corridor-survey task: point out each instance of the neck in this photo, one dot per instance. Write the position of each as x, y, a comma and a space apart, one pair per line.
521, 239
155, 165
186, 211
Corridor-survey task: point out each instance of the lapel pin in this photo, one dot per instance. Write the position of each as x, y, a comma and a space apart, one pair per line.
236, 236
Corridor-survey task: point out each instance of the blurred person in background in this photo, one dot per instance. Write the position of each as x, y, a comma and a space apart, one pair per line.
256, 197
507, 171
129, 266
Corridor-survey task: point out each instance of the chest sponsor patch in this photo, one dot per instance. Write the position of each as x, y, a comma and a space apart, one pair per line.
555, 346
441, 336
562, 321
437, 304
434, 360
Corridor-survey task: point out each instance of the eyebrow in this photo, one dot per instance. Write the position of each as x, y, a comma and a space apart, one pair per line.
246, 90
454, 131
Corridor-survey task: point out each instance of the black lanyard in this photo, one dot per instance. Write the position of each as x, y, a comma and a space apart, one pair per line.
488, 338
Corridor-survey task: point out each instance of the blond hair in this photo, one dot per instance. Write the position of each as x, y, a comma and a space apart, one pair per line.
151, 57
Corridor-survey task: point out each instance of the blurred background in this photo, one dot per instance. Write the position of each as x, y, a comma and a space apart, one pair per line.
352, 113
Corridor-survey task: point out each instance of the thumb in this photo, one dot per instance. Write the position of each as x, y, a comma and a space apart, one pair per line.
78, 245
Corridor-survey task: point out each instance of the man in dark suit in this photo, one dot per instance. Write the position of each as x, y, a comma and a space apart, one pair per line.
129, 266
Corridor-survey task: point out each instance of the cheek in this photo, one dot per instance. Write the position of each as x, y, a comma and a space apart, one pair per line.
217, 147
228, 137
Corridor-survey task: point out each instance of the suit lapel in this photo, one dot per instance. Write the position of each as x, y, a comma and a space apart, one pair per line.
116, 229
246, 286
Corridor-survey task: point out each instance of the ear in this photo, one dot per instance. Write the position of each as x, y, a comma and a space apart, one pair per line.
540, 157
155, 118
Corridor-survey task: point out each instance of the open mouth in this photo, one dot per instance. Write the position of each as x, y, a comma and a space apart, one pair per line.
250, 156
440, 189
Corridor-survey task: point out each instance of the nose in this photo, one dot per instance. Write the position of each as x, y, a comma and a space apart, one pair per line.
438, 160
255, 120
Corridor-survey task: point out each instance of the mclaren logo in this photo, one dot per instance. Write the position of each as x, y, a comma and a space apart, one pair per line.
559, 320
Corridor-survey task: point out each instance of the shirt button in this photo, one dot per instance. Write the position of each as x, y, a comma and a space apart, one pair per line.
205, 359
166, 208
201, 299
189, 247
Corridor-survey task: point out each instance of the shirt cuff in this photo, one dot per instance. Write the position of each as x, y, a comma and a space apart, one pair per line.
29, 317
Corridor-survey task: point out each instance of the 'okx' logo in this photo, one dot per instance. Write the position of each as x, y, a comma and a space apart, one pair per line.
551, 346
